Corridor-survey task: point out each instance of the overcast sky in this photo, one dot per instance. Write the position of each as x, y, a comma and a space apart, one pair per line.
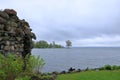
84, 22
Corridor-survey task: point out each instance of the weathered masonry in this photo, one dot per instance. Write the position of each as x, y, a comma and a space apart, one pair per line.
15, 34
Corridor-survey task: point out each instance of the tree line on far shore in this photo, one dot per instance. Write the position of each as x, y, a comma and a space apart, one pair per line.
45, 44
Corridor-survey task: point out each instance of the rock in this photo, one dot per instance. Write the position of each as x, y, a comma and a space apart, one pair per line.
2, 20
7, 48
12, 30
14, 19
19, 32
2, 46
7, 28
7, 43
71, 69
1, 26
13, 24
10, 12
2, 42
15, 34
4, 15
12, 48
79, 70
6, 38
33, 36
0, 38
63, 72
18, 38
6, 34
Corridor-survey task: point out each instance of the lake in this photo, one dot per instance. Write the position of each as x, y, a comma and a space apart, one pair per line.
83, 57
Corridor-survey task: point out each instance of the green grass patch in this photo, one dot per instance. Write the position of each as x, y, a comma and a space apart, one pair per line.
91, 75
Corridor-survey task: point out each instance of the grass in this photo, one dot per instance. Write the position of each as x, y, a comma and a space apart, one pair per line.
91, 75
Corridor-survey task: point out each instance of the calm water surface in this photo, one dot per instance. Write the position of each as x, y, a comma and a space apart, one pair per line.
63, 59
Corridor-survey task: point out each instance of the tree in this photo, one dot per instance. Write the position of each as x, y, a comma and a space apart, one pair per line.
53, 44
41, 44
68, 43
50, 45
45, 44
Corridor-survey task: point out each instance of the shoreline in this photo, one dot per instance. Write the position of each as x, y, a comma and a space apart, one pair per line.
73, 70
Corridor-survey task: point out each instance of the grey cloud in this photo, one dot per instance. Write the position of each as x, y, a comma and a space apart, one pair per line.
77, 20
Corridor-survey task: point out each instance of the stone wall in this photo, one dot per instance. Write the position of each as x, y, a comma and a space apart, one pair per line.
15, 34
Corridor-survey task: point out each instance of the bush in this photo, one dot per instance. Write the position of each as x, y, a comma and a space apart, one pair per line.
115, 67
23, 78
108, 67
47, 78
11, 67
101, 68
34, 64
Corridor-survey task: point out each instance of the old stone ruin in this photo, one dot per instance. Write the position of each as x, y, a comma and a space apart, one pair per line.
15, 34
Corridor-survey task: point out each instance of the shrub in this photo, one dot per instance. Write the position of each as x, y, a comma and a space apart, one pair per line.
108, 67
23, 78
115, 67
47, 78
34, 64
11, 67
55, 72
101, 68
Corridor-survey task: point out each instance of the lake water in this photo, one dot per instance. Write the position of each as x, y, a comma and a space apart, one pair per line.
92, 57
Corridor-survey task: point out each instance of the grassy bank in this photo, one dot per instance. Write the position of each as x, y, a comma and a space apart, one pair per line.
91, 75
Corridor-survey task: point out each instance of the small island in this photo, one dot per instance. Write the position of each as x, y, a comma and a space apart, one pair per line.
45, 44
